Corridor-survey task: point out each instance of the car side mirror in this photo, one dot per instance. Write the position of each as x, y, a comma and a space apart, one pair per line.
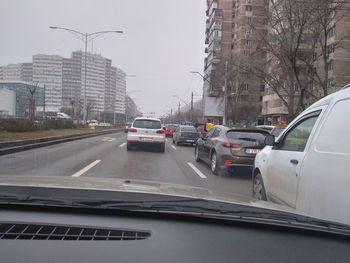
269, 140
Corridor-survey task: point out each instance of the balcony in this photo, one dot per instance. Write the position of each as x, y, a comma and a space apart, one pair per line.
206, 50
206, 40
215, 93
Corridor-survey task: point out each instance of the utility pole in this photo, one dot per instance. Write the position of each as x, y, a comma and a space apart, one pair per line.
179, 113
171, 115
225, 87
44, 113
192, 106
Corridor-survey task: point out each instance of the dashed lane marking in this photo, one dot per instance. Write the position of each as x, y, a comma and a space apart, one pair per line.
201, 175
122, 144
86, 168
108, 139
172, 146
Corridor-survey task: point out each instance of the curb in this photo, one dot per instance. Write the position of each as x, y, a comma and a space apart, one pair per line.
51, 141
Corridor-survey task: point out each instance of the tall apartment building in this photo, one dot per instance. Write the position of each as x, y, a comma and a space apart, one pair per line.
64, 80
17, 72
234, 28
275, 112
47, 70
120, 92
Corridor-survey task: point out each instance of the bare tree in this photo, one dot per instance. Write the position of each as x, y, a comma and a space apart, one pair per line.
32, 89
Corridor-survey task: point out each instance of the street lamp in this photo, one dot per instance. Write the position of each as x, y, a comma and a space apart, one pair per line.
87, 37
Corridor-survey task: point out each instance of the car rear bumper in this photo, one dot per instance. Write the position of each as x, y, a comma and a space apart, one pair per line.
187, 140
140, 139
237, 161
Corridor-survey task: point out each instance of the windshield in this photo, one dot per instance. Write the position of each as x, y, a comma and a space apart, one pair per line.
188, 129
246, 136
139, 96
277, 131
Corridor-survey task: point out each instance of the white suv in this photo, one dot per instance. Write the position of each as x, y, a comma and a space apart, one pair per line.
146, 131
307, 168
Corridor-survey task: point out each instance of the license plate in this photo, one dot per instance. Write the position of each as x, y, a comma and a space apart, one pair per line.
252, 151
145, 139
189, 140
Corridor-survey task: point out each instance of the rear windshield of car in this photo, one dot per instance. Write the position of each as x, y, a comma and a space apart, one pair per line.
147, 124
188, 129
246, 135
171, 127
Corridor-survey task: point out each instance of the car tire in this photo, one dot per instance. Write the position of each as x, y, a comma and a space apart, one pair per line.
162, 147
173, 141
196, 154
177, 143
259, 191
128, 146
214, 163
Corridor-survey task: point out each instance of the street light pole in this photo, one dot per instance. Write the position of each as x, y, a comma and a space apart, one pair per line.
85, 37
225, 88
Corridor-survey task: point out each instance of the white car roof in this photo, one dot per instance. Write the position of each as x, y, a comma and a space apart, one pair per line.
340, 94
146, 118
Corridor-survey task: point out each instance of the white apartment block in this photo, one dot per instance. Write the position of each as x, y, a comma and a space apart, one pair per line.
120, 92
17, 72
47, 70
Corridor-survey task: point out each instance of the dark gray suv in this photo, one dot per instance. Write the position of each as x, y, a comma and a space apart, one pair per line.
224, 147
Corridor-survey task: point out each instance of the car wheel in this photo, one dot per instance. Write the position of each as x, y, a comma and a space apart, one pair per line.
128, 146
173, 141
214, 163
196, 154
177, 143
258, 188
162, 147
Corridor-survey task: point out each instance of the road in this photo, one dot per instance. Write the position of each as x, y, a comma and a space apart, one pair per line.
106, 156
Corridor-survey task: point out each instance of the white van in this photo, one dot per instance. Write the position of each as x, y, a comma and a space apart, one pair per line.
308, 167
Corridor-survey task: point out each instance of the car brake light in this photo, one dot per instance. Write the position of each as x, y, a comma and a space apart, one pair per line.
228, 162
132, 130
160, 131
230, 144
181, 134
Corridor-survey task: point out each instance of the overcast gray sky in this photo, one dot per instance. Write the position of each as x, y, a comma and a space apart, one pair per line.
163, 40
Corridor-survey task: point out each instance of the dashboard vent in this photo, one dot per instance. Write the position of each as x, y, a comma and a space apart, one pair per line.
63, 232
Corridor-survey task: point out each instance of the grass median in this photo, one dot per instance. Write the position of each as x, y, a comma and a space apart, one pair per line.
15, 136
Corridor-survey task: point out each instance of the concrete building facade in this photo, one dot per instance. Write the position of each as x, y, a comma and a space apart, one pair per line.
17, 72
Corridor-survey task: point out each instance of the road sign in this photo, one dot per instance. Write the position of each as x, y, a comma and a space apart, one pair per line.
132, 117
178, 121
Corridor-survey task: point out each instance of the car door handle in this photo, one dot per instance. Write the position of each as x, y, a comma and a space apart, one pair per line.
293, 161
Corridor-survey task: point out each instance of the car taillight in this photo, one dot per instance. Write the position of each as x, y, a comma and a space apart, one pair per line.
230, 144
181, 134
160, 131
132, 130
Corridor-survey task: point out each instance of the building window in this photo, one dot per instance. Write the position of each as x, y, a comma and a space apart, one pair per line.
248, 8
234, 36
268, 91
331, 32
330, 83
330, 48
218, 22
264, 54
233, 25
246, 53
248, 31
248, 1
330, 65
217, 44
266, 21
266, 105
246, 75
235, 4
261, 98
232, 46
233, 15
267, 2
247, 42
249, 20
262, 87
244, 86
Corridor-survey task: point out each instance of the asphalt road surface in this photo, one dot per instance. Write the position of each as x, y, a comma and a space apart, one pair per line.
106, 156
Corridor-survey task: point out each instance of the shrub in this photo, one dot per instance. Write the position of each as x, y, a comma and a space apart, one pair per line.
16, 125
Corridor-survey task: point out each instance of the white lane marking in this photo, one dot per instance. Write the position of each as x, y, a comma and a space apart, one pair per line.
201, 175
108, 139
122, 144
86, 168
172, 146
